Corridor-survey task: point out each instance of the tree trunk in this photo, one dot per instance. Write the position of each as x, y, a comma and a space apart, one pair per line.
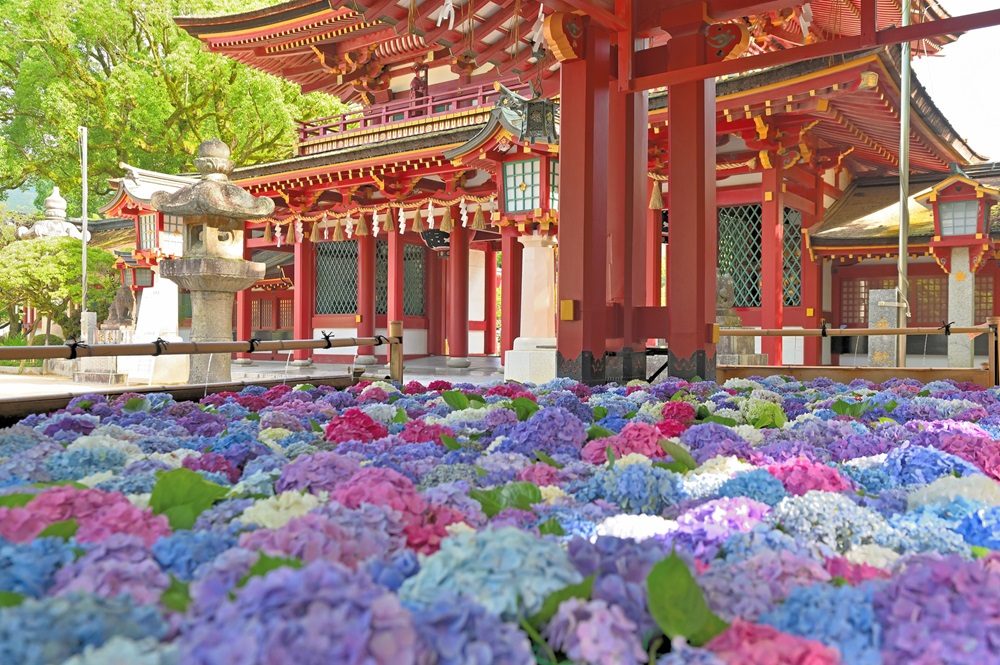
31, 342
48, 330
14, 317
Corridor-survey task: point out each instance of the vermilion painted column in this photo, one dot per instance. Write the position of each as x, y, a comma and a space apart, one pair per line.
628, 153
693, 228
304, 304
654, 249
510, 290
583, 212
366, 298
812, 283
458, 298
396, 272
491, 300
772, 303
244, 309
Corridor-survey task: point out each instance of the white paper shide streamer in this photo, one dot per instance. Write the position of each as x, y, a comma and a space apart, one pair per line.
402, 220
430, 214
447, 12
375, 223
463, 211
349, 226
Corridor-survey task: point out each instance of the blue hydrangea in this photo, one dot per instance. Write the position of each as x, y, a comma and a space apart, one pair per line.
182, 552
923, 531
50, 630
391, 572
76, 464
841, 617
635, 488
909, 465
758, 485
874, 480
553, 430
982, 528
459, 632
141, 483
29, 568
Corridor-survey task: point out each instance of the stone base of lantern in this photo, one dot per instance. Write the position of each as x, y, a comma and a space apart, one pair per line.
533, 359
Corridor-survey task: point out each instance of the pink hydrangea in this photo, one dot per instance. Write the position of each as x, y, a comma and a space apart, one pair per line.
277, 391
539, 474
854, 573
424, 524
745, 643
981, 451
635, 437
439, 385
418, 431
374, 394
633, 389
309, 537
212, 463
354, 425
680, 411
503, 390
414, 388
670, 428
799, 475
98, 515
252, 402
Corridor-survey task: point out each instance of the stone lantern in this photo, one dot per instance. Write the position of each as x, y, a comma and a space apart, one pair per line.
961, 245
212, 266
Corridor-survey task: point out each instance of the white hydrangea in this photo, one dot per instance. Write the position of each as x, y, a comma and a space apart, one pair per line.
652, 409
552, 493
380, 413
466, 416
116, 432
751, 434
458, 527
741, 384
272, 435
766, 396
732, 414
432, 419
703, 485
384, 385
174, 458
633, 458
728, 465
119, 650
95, 479
639, 527
131, 451
868, 461
639, 397
140, 501
872, 555
637, 382
497, 442
279, 510
975, 487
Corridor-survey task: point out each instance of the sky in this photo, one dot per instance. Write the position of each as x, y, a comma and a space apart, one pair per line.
962, 81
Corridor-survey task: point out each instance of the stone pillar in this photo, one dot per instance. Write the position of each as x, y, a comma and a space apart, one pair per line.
510, 289
961, 307
538, 278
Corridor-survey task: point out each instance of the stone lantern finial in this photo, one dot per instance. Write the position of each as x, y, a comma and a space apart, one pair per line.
55, 206
213, 161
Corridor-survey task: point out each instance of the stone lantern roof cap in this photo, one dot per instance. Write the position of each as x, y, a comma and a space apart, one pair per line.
213, 194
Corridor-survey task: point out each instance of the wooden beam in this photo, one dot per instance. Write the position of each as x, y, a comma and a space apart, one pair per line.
596, 12
651, 64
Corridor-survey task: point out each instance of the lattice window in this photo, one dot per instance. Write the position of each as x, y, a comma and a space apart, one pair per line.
959, 218
554, 184
854, 299
381, 276
173, 224
337, 277
128, 279
184, 305
147, 231
414, 273
522, 185
792, 260
262, 314
286, 314
143, 277
739, 251
984, 298
928, 300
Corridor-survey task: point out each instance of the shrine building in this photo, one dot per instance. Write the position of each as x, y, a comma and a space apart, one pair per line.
505, 148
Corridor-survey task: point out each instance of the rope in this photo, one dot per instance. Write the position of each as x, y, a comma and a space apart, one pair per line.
946, 328
329, 338
161, 344
823, 329
253, 342
73, 346
380, 340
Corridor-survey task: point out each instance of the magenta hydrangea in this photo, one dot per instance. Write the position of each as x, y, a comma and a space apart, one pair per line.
799, 475
317, 472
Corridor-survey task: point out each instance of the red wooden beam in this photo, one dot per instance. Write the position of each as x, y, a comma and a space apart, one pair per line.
651, 64
588, 7
869, 23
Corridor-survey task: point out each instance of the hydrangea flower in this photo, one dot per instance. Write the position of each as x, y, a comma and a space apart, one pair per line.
593, 633
635, 488
454, 631
746, 642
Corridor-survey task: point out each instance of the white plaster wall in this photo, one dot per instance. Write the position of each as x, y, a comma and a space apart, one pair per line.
793, 349
414, 341
477, 342
826, 356
477, 287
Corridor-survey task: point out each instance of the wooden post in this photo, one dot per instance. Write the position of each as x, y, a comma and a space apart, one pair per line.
993, 322
396, 351
304, 304
366, 297
772, 296
510, 291
244, 306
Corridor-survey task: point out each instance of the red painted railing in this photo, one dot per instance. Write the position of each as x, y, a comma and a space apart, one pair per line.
402, 111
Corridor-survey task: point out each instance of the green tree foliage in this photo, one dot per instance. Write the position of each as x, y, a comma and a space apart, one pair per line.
47, 274
147, 91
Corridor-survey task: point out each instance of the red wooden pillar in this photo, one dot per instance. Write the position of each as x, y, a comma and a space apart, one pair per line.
244, 308
366, 297
510, 292
772, 252
396, 272
458, 298
693, 229
304, 304
628, 154
583, 213
491, 300
812, 282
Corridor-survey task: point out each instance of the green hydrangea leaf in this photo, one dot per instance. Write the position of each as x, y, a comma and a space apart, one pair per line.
600, 412
598, 432
181, 495
545, 459
456, 399
450, 443
679, 454
15, 500
524, 408
401, 416
520, 495
304, 386
551, 527
65, 529
266, 564
479, 399
556, 598
177, 597
316, 427
979, 552
253, 416
10, 599
677, 604
721, 420
136, 404
676, 467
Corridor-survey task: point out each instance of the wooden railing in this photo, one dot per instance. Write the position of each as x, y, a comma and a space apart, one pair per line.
402, 111
988, 376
